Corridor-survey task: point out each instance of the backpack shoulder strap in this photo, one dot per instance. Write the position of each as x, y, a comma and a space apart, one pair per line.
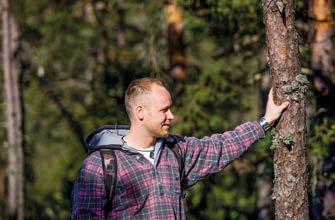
109, 166
172, 143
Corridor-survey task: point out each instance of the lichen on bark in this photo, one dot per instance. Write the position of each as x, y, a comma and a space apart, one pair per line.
290, 166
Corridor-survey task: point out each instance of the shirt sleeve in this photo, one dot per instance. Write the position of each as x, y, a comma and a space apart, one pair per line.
211, 154
88, 194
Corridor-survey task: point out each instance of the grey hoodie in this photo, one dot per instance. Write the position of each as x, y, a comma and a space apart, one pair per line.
111, 137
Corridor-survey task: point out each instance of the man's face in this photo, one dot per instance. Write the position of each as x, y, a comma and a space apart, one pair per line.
157, 112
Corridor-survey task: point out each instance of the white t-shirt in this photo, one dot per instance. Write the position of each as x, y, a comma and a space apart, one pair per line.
148, 153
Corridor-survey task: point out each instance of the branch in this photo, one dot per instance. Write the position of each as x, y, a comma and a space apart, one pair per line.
74, 124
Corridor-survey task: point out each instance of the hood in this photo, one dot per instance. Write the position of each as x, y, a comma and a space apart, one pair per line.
109, 136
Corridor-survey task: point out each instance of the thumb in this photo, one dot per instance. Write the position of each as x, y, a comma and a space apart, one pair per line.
284, 105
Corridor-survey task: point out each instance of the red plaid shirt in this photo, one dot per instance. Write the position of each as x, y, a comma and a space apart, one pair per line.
146, 191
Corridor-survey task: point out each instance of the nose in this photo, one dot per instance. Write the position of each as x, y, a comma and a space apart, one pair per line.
170, 116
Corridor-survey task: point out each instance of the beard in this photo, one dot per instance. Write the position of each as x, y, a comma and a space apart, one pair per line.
166, 129
161, 132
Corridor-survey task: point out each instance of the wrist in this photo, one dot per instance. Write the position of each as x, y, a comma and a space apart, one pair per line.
264, 123
269, 120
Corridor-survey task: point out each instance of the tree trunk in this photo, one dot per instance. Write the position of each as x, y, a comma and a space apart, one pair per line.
264, 179
121, 36
174, 21
263, 184
290, 165
322, 52
99, 9
323, 65
13, 115
322, 44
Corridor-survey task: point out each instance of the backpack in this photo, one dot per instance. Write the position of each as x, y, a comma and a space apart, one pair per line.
109, 166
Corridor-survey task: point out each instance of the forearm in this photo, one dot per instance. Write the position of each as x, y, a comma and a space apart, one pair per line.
212, 154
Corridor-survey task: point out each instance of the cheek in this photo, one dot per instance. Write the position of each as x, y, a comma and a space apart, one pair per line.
156, 117
159, 118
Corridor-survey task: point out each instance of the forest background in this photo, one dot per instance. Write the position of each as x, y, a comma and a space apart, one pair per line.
75, 59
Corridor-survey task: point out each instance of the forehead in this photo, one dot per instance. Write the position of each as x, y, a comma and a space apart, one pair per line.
160, 96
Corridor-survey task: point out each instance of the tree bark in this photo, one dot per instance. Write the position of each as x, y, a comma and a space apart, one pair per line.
177, 59
290, 164
13, 115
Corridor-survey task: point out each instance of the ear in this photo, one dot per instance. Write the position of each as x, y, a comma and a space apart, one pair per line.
140, 112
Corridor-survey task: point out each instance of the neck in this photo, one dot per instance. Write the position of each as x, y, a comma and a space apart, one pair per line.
139, 138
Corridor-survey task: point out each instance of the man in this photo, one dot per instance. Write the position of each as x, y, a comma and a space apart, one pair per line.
149, 181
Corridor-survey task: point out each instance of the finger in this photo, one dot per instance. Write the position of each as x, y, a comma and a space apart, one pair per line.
284, 105
271, 94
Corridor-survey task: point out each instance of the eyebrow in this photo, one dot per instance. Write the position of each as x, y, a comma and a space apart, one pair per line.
166, 107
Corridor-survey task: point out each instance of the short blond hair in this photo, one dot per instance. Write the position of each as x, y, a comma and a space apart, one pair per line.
139, 87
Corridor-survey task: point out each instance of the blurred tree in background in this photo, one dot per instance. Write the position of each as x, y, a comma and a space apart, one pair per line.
14, 113
79, 56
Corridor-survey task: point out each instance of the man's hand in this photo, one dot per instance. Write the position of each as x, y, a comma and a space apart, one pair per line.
273, 111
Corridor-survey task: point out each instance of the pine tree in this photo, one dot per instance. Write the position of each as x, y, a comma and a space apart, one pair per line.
13, 114
290, 164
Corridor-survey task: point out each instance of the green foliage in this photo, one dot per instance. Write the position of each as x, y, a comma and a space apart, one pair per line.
78, 72
321, 138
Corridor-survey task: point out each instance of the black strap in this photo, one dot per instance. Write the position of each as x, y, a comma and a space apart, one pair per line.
109, 165
175, 147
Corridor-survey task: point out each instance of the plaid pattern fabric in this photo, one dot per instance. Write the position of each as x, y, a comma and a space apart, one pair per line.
145, 191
